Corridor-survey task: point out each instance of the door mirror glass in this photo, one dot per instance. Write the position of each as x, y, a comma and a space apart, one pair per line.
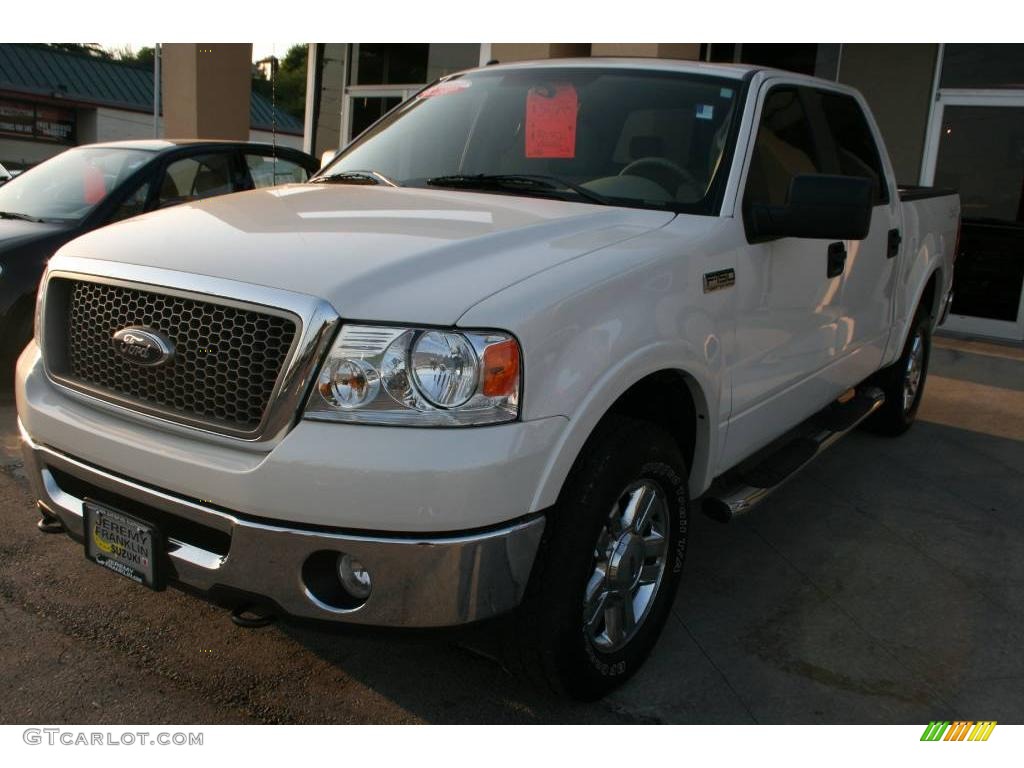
818, 206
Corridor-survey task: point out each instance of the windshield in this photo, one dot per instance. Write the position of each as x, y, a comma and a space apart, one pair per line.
67, 187
646, 138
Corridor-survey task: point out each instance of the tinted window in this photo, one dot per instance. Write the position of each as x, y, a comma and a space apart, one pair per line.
268, 171
857, 153
193, 178
643, 138
784, 148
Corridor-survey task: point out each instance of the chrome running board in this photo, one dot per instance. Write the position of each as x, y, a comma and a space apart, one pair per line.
743, 488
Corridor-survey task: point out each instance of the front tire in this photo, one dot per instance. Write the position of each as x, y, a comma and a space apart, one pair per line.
610, 561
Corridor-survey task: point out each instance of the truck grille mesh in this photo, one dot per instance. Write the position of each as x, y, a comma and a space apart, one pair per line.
227, 360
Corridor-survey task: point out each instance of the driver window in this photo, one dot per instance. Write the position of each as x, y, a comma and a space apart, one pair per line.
784, 148
194, 178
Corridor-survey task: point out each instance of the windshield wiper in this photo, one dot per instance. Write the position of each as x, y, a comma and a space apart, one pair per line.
516, 181
355, 177
19, 216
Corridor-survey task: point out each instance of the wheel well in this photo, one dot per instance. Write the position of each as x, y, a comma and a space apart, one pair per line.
928, 296
665, 399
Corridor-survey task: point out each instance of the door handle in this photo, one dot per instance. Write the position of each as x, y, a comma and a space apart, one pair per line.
895, 238
836, 259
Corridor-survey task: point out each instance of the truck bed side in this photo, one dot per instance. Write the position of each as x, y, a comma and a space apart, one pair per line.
931, 221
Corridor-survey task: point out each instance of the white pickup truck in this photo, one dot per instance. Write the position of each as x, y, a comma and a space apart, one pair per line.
484, 362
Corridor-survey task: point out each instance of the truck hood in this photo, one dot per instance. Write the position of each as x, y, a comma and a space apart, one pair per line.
375, 253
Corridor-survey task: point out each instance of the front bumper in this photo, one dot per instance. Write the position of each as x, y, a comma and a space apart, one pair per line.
417, 581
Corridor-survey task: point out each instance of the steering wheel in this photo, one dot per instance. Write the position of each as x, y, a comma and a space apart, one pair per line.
662, 172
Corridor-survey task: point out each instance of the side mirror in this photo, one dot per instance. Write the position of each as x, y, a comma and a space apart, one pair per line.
819, 207
327, 157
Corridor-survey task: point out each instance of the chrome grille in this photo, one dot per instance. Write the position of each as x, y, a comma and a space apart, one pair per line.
228, 358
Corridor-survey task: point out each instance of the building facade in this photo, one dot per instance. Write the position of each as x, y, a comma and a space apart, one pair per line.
51, 100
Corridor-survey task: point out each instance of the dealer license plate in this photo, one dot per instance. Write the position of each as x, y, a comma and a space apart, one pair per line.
123, 543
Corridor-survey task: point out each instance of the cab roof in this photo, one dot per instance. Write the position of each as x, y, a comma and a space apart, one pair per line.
732, 71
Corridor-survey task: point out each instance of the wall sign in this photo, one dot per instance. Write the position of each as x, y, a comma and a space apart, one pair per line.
37, 121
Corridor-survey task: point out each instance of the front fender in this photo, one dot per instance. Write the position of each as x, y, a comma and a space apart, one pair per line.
703, 383
593, 327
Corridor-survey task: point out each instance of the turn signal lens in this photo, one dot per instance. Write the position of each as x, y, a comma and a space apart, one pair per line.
501, 369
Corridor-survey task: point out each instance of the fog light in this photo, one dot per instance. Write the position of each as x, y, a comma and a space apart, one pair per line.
354, 577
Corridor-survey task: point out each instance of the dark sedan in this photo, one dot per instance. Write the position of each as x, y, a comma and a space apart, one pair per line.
91, 186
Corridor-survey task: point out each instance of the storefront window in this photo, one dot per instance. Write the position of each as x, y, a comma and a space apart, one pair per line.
981, 153
794, 57
411, 63
366, 110
986, 65
31, 121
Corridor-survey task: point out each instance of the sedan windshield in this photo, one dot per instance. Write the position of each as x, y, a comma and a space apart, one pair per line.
67, 187
614, 136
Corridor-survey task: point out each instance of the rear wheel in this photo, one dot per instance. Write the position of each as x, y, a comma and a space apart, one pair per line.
903, 381
610, 561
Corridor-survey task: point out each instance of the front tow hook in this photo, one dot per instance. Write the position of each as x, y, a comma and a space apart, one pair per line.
49, 523
252, 616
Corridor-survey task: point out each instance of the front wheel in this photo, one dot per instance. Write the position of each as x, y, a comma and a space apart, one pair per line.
610, 561
903, 381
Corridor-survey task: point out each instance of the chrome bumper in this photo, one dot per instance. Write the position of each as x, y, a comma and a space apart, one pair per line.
417, 581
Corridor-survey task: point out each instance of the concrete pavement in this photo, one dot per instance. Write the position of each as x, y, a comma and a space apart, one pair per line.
883, 585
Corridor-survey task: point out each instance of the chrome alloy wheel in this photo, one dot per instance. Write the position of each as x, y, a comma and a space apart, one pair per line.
629, 561
913, 371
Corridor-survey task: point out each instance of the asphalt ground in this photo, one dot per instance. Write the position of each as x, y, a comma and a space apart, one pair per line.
883, 584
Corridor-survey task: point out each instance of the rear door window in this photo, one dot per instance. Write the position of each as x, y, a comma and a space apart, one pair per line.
268, 171
195, 178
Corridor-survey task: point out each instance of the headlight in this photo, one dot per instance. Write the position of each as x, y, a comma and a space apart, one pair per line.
418, 377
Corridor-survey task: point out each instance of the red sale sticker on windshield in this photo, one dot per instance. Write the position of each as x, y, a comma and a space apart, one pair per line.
95, 186
551, 121
446, 88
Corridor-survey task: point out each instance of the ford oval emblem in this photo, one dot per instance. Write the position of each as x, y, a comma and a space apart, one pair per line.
143, 346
